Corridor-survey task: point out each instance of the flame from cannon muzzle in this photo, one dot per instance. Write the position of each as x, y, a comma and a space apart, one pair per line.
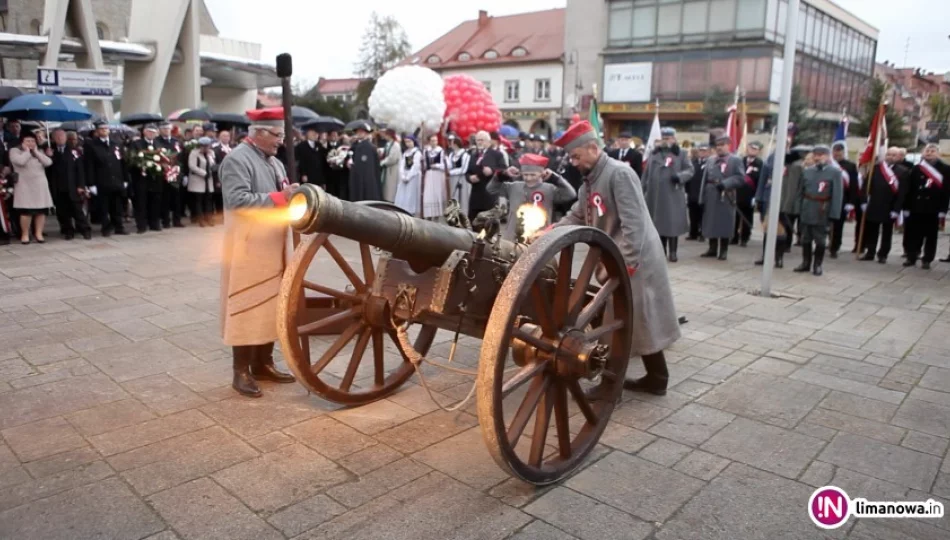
533, 218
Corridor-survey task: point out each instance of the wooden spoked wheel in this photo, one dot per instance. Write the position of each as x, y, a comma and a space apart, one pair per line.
555, 345
343, 316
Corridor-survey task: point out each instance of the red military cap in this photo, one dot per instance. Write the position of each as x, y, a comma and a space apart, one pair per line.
270, 117
533, 163
577, 135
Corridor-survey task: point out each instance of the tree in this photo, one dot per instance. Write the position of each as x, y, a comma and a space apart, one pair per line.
939, 105
385, 44
808, 129
715, 105
312, 100
896, 133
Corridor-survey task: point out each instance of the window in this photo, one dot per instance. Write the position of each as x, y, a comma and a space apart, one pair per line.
644, 25
511, 91
694, 77
750, 15
464, 57
519, 51
771, 15
433, 59
694, 22
542, 89
620, 25
724, 73
666, 79
668, 20
102, 31
490, 54
487, 86
722, 15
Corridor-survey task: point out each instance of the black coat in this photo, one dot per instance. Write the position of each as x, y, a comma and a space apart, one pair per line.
694, 189
630, 157
852, 195
153, 183
481, 199
920, 198
66, 174
364, 172
104, 165
753, 170
883, 200
311, 162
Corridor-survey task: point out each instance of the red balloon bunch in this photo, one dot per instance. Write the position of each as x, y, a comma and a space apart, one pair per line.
469, 106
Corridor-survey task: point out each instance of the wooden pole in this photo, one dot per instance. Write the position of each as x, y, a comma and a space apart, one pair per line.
870, 179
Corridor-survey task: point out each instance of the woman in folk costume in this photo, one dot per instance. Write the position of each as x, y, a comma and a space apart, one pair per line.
611, 200
433, 182
667, 172
407, 193
391, 163
457, 160
256, 190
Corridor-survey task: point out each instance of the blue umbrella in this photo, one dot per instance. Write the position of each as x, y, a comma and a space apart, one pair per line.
44, 107
508, 131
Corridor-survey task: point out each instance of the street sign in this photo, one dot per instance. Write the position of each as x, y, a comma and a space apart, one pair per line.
77, 83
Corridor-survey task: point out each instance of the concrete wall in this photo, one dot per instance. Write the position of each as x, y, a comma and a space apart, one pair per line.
525, 74
585, 36
229, 100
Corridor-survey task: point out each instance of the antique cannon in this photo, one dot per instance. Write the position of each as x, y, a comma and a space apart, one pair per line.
555, 345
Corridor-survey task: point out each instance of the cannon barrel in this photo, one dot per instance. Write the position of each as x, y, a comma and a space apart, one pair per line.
424, 244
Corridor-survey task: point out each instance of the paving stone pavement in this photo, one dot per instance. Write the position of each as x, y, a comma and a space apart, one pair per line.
117, 419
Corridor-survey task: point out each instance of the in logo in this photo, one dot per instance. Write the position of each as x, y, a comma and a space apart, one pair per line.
829, 507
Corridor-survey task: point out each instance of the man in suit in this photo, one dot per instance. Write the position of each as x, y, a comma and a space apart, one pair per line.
694, 196
745, 195
107, 175
484, 165
171, 209
626, 154
852, 190
147, 185
68, 186
311, 159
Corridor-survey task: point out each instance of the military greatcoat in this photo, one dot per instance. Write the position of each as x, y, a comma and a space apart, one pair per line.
664, 182
723, 176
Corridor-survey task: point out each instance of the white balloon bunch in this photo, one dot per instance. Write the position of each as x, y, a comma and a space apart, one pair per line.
408, 97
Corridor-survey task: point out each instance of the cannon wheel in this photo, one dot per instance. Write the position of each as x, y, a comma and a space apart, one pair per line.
295, 334
548, 381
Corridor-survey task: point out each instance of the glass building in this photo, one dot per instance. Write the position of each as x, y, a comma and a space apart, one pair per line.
675, 51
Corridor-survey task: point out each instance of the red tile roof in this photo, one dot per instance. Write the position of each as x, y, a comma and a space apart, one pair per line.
539, 33
337, 86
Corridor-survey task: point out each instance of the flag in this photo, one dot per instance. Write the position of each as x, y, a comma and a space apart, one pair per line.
732, 124
654, 135
744, 128
594, 117
841, 132
877, 137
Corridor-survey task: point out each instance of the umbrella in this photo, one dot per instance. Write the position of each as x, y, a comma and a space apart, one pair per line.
508, 131
200, 115
116, 127
44, 107
10, 92
230, 119
359, 124
302, 115
325, 124
79, 126
142, 118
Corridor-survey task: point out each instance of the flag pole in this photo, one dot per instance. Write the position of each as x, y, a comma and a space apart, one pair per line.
778, 170
870, 177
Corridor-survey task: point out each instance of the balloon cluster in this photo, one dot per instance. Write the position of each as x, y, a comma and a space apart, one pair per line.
469, 106
407, 98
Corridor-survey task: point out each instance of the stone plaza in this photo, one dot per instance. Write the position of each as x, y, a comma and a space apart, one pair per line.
118, 420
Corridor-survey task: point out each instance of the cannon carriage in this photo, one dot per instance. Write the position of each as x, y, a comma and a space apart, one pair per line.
554, 318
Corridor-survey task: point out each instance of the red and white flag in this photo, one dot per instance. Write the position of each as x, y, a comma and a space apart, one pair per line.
877, 138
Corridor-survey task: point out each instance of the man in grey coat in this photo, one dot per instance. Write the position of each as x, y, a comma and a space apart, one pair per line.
820, 196
611, 200
668, 170
724, 174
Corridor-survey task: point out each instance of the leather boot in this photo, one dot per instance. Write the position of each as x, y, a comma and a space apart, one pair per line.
713, 245
806, 259
664, 240
779, 259
243, 382
674, 244
723, 248
263, 368
657, 377
819, 258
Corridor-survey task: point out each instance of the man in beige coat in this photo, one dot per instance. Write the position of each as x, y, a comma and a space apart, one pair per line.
255, 190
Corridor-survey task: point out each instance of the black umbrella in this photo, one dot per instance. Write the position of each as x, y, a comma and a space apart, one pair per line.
142, 118
302, 115
325, 124
201, 115
359, 124
10, 92
230, 119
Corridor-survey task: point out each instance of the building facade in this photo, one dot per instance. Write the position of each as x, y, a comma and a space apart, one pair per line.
518, 58
678, 51
343, 90
909, 93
